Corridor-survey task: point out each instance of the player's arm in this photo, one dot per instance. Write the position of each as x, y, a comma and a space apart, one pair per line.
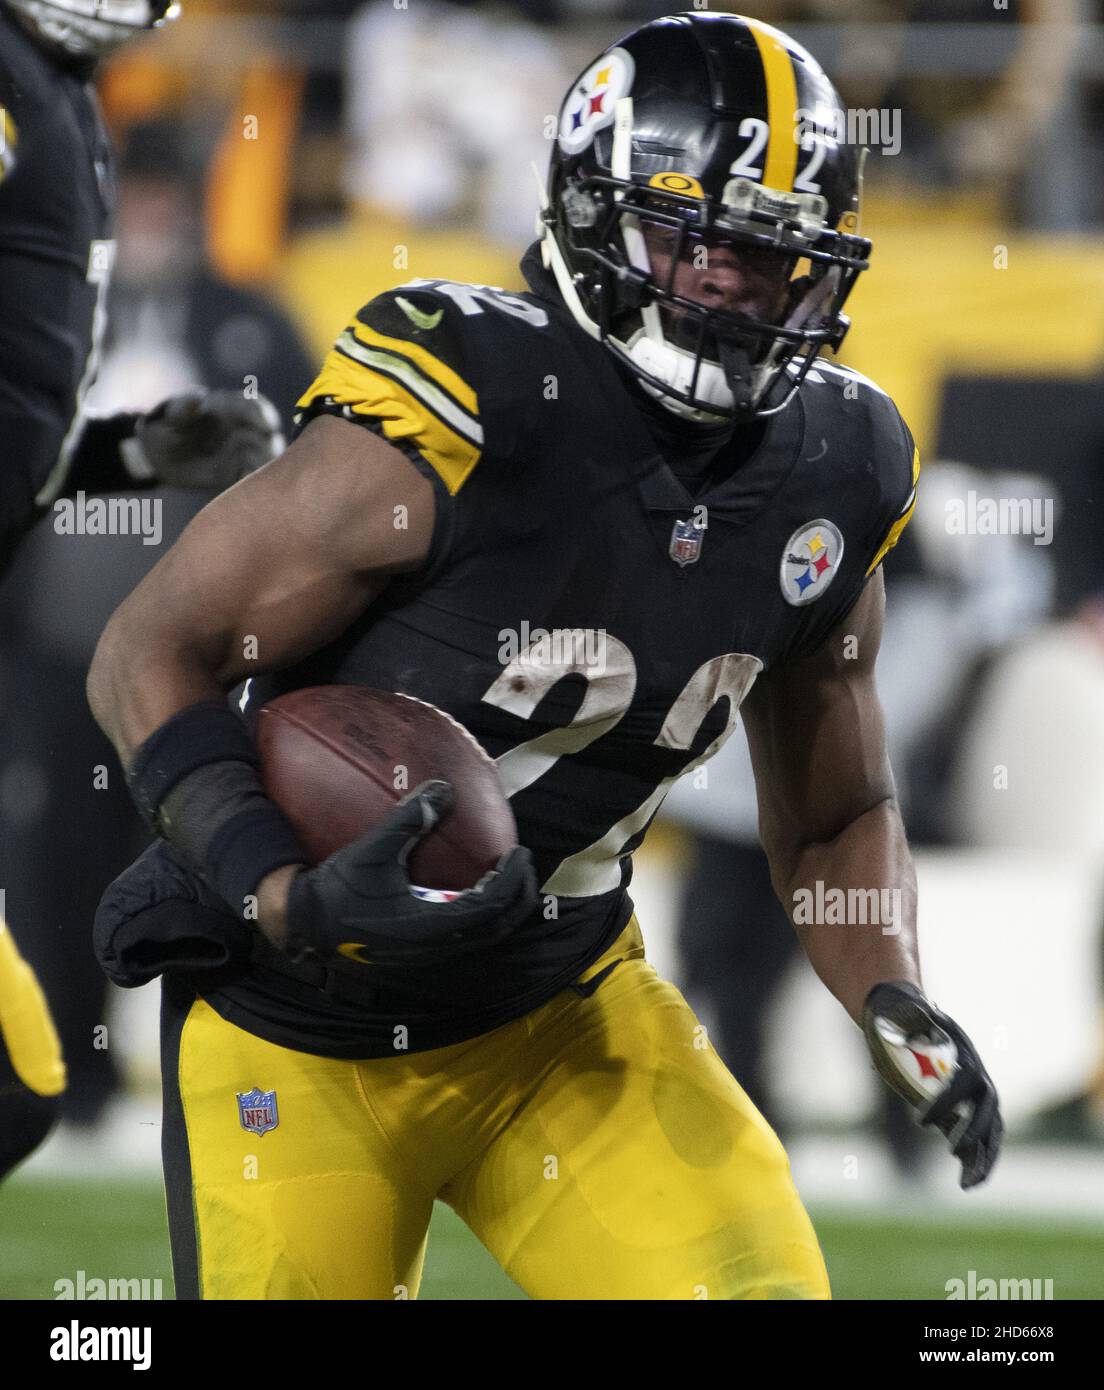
828, 811
271, 571
831, 827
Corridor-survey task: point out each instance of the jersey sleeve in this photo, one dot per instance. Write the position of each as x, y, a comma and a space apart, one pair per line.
902, 518
889, 508
402, 369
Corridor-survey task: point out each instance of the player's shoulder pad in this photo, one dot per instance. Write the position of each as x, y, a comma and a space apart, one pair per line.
866, 419
417, 364
402, 367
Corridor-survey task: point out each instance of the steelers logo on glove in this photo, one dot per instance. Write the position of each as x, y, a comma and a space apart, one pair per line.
930, 1062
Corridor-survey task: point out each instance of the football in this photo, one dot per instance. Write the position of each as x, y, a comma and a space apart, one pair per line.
337, 758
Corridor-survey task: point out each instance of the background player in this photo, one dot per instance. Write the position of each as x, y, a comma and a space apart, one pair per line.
57, 205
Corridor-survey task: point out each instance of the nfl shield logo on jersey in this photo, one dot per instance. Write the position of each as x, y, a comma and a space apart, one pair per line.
686, 542
257, 1110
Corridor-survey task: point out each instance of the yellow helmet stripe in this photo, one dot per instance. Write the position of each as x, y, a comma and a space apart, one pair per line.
781, 167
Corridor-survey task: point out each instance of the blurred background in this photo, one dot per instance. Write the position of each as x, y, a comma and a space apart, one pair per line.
284, 162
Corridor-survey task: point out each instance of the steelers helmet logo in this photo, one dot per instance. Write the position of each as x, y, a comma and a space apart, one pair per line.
810, 561
592, 102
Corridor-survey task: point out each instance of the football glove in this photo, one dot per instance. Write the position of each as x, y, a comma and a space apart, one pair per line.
204, 439
359, 907
930, 1062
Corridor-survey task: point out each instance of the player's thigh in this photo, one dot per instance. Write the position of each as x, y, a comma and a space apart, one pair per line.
637, 1168
292, 1193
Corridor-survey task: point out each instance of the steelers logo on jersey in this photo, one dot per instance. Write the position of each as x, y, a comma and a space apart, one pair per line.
592, 104
810, 562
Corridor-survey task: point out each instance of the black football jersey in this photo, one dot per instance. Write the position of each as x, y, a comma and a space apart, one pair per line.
56, 207
591, 623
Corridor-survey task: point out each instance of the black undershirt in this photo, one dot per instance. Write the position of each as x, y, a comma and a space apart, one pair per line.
698, 453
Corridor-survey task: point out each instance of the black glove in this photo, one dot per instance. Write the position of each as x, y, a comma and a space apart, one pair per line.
205, 439
358, 909
929, 1061
160, 917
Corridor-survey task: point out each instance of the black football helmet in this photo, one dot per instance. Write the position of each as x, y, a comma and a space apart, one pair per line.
91, 28
701, 129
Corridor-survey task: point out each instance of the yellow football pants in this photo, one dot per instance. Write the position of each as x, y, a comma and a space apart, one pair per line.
26, 1027
597, 1147
32, 1072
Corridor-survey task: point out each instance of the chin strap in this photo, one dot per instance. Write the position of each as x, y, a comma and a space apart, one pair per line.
736, 363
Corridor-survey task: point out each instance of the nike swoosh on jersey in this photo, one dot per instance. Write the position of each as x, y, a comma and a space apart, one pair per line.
418, 317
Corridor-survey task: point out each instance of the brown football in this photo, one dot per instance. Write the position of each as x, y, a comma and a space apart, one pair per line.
337, 758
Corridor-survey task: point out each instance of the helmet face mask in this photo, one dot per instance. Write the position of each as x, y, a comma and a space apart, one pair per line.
630, 234
91, 29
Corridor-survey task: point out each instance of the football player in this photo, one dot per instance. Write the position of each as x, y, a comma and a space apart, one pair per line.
57, 196
644, 457
57, 204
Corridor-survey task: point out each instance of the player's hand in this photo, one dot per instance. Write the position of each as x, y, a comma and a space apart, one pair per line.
206, 439
358, 906
929, 1061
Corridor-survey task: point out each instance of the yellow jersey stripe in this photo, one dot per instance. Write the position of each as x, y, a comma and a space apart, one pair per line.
902, 521
9, 141
403, 415
781, 167
26, 1025
425, 361
427, 392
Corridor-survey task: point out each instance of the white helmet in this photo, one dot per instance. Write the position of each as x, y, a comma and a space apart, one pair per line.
92, 28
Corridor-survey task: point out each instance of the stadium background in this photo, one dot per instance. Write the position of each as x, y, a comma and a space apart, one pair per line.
331, 150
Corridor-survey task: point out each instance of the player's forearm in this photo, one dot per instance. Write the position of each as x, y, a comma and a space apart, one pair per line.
852, 901
192, 770
137, 683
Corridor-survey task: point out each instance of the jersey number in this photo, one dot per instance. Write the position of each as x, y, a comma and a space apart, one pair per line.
473, 299
757, 132
609, 693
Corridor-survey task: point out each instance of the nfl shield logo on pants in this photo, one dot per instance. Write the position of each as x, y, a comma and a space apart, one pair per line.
686, 542
257, 1110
